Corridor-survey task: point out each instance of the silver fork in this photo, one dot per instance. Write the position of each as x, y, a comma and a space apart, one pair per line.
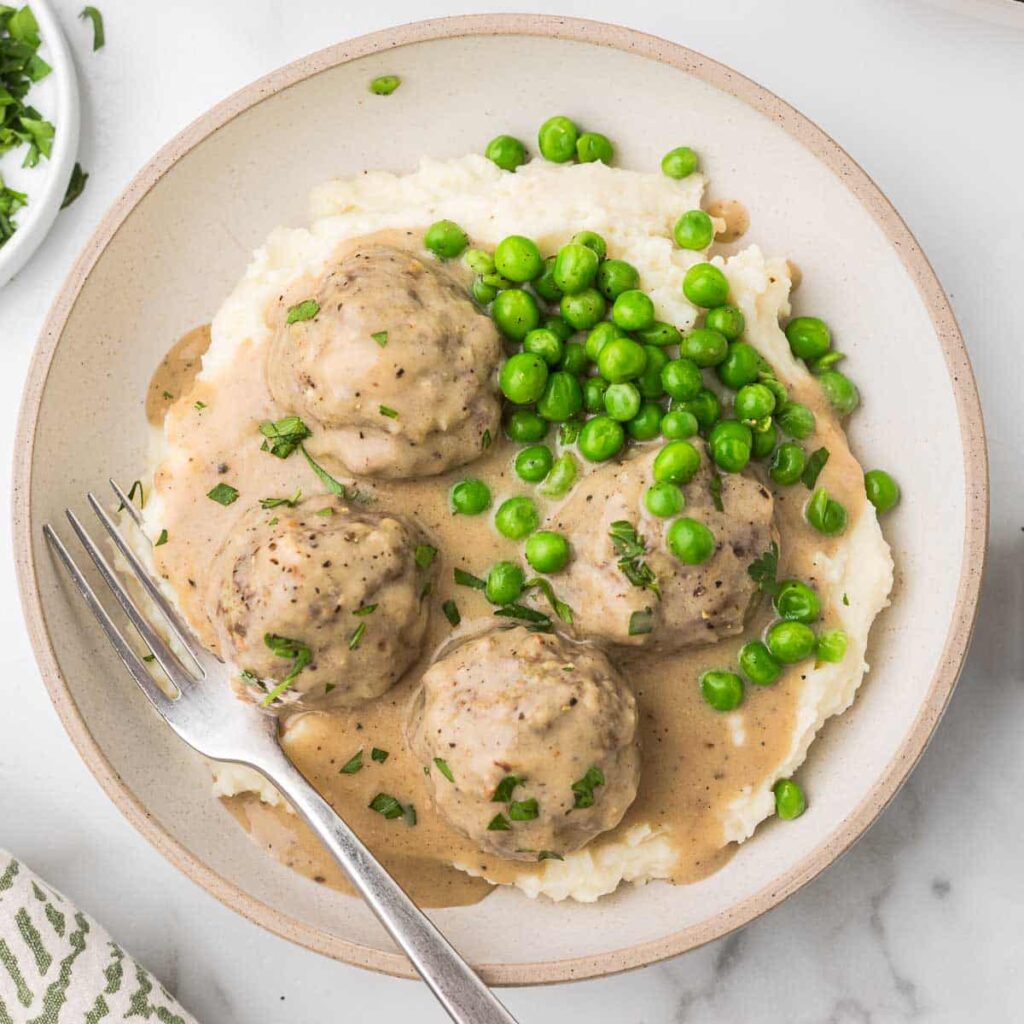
206, 715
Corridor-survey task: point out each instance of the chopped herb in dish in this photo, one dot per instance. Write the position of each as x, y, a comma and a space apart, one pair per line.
223, 494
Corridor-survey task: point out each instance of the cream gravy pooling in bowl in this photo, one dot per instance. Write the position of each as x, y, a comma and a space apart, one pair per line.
706, 776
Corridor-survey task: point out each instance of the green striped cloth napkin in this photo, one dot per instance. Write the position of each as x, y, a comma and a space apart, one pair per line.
57, 966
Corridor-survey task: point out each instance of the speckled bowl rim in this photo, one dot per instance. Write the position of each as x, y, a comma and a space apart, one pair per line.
965, 390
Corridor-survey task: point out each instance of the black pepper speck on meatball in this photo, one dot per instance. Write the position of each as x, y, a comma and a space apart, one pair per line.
507, 725
396, 373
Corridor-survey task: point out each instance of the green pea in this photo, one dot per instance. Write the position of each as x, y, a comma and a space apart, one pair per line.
840, 391
505, 151
681, 379
826, 362
660, 334
705, 285
562, 398
592, 240
479, 261
594, 389
790, 642
649, 382
730, 444
694, 230
575, 267
485, 294
753, 402
808, 337
825, 514
788, 464
758, 664
705, 406
504, 583
525, 425
558, 325
677, 424
497, 282
832, 645
574, 358
604, 332
445, 239
776, 387
518, 258
664, 500
727, 320
615, 277
796, 420
704, 347
584, 309
523, 378
544, 343
676, 463
622, 401
790, 801
556, 139
545, 285
883, 492
384, 85
547, 551
646, 424
515, 312
740, 366
470, 497
764, 442
690, 541
534, 463
722, 690
797, 602
561, 478
633, 310
621, 359
516, 518
601, 438
592, 146
680, 162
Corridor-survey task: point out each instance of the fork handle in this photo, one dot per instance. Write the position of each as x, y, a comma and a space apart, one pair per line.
457, 987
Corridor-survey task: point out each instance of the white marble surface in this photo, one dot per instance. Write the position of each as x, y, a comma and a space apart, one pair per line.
923, 919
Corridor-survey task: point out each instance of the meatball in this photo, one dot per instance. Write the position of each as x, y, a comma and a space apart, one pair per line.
699, 603
530, 741
396, 374
348, 585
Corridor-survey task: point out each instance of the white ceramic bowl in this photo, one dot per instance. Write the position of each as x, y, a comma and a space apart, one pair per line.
56, 97
179, 237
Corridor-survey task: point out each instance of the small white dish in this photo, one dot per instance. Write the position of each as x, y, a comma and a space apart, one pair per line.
56, 97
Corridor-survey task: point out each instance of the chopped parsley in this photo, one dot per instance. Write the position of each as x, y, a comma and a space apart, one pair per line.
223, 494
99, 36
562, 610
167, 395
410, 815
278, 502
366, 609
425, 555
641, 622
285, 647
357, 636
451, 612
715, 487
326, 511
763, 571
386, 410
305, 310
76, 186
540, 623
549, 855
353, 764
523, 810
332, 485
467, 579
161, 540
584, 788
499, 823
442, 767
381, 337
387, 805
485, 441
199, 406
503, 791
136, 488
815, 464
10, 203
630, 547
284, 436
378, 755
149, 658
846, 600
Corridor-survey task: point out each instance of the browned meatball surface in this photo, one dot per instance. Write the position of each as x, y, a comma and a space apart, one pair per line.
396, 373
530, 740
342, 582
